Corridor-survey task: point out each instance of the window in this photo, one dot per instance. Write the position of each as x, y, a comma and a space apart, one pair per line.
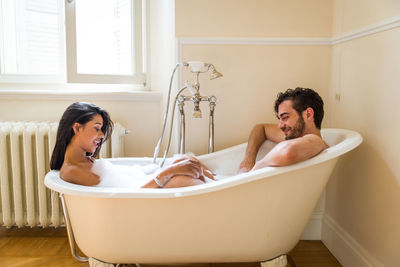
96, 41
31, 43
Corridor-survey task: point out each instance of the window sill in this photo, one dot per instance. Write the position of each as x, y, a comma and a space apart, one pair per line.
82, 92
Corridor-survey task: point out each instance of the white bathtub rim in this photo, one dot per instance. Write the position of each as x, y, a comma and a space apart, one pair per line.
54, 182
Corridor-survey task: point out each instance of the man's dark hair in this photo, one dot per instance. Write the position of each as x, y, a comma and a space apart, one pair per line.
303, 98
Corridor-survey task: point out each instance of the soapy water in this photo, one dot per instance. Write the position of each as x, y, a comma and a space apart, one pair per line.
135, 176
128, 176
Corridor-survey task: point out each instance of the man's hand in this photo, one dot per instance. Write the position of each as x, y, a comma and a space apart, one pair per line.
258, 135
246, 164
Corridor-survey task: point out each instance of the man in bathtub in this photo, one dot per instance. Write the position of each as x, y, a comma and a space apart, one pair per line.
298, 136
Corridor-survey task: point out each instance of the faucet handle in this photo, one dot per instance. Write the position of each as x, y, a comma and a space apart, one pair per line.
197, 114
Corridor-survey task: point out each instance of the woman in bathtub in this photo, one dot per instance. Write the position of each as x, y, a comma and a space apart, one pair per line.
82, 130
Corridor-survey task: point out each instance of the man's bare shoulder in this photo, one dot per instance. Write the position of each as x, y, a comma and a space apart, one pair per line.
313, 140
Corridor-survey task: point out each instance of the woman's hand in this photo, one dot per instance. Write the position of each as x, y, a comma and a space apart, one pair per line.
187, 170
185, 167
205, 170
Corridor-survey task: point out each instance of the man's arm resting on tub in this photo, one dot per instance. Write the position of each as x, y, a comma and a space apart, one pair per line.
292, 151
259, 134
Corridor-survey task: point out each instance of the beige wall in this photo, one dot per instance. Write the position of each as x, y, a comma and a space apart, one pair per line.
253, 18
355, 14
253, 75
363, 195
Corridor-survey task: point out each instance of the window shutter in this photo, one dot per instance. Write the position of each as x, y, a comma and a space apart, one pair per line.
35, 38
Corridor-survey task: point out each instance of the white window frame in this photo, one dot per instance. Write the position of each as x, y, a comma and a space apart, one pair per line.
68, 53
73, 76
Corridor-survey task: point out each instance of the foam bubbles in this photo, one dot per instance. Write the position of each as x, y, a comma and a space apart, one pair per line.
114, 175
128, 176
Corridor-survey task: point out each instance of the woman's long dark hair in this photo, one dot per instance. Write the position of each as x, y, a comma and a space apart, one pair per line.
81, 113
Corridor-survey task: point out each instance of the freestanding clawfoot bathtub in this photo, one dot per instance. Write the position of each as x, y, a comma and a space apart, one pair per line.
247, 217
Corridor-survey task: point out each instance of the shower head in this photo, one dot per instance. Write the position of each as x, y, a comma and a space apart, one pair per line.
196, 66
214, 73
201, 67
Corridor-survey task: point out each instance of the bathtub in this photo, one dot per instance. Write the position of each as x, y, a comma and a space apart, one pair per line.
248, 217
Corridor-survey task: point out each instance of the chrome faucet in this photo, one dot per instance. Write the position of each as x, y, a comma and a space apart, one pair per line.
196, 68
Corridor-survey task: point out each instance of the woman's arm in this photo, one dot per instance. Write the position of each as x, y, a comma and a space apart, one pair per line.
206, 171
182, 181
185, 168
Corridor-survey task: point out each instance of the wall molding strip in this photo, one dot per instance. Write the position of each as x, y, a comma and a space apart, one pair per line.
345, 248
254, 41
384, 25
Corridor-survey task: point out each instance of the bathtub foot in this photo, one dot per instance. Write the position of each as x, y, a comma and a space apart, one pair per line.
98, 263
280, 261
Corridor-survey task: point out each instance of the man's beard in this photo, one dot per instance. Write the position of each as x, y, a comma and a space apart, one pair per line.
297, 130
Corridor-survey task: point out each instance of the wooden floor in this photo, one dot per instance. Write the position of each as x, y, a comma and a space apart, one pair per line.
49, 247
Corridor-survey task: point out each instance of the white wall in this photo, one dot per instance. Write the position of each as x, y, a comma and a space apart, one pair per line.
162, 55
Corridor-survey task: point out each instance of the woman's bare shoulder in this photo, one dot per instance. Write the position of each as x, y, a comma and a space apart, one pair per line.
80, 173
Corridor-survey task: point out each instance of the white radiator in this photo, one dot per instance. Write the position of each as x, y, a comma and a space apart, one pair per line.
25, 152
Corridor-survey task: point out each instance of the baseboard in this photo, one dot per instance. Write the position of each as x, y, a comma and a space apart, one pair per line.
344, 247
314, 227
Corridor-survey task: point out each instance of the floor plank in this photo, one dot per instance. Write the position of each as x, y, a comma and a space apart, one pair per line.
49, 247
